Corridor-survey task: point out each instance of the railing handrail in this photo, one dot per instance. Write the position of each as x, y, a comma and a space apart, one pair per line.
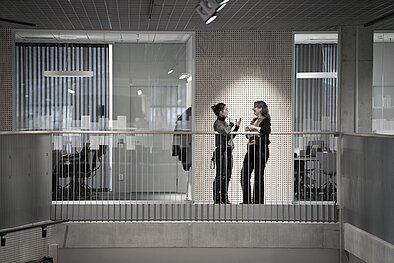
133, 132
5, 231
374, 135
157, 132
42, 224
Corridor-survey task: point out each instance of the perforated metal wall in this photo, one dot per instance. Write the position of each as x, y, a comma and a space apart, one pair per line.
238, 68
25, 246
6, 79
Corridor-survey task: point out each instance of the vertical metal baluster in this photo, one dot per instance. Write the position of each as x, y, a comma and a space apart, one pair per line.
133, 167
145, 175
149, 171
121, 202
135, 179
137, 173
133, 193
111, 197
129, 173
173, 194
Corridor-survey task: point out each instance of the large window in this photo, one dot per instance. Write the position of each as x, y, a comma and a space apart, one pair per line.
315, 111
148, 92
383, 83
138, 81
315, 87
59, 103
315, 100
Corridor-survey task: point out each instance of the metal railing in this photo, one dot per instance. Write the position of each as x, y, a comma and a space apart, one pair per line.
166, 176
43, 225
170, 176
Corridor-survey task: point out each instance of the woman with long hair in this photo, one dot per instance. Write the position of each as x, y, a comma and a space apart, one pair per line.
257, 154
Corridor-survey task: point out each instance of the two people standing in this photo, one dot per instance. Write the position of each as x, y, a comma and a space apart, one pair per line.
255, 159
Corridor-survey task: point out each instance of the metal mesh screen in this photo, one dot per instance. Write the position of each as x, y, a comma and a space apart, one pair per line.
238, 68
6, 79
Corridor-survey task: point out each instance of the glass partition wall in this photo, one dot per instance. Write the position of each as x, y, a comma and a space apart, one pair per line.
136, 81
128, 81
147, 90
46, 101
383, 83
315, 111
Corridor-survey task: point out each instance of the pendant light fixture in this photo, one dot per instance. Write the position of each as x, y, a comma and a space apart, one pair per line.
68, 73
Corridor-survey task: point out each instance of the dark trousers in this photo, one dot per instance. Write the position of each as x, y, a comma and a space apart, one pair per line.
255, 159
224, 166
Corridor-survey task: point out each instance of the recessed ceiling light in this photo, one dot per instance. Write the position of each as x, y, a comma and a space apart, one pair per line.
210, 19
71, 91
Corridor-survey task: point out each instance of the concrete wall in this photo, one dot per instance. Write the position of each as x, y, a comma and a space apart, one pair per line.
355, 90
198, 255
365, 246
368, 196
25, 179
196, 242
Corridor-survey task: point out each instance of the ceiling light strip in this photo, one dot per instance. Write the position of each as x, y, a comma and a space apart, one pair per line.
68, 73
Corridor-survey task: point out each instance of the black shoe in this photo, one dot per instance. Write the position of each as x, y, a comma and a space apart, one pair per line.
227, 202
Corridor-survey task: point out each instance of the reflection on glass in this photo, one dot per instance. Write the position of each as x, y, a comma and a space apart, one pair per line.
144, 90
383, 83
59, 102
130, 81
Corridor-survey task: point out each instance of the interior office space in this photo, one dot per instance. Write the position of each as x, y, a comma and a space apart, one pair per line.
146, 63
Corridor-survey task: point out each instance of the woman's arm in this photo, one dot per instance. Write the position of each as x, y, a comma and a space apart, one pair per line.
264, 127
221, 127
236, 128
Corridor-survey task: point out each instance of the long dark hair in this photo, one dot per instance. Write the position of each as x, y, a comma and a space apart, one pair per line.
218, 108
262, 105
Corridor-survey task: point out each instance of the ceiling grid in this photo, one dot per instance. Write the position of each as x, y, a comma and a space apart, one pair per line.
177, 15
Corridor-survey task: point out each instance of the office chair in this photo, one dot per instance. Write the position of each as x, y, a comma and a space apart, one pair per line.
77, 167
304, 182
328, 167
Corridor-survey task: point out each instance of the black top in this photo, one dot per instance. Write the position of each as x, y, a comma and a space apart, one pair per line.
265, 130
224, 139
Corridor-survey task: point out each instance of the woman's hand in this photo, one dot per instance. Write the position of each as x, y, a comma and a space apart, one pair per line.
238, 122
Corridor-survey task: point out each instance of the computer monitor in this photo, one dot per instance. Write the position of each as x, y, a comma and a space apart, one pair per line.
314, 146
